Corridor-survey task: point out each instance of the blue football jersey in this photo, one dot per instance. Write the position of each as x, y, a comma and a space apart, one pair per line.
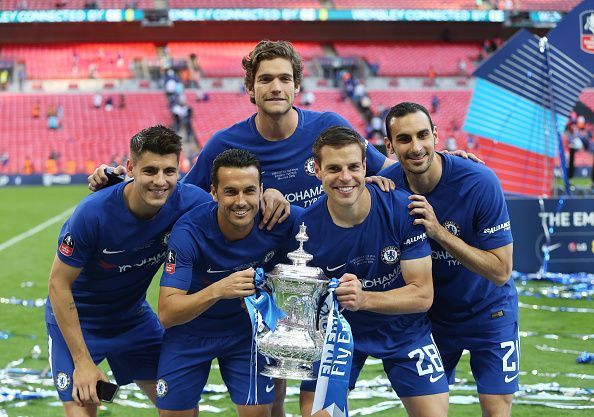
119, 254
372, 251
469, 202
287, 164
199, 255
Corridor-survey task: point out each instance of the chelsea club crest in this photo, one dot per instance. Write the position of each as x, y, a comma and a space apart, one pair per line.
390, 255
452, 227
161, 388
309, 166
62, 381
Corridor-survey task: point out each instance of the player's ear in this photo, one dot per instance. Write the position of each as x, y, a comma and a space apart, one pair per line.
213, 193
388, 144
317, 170
130, 167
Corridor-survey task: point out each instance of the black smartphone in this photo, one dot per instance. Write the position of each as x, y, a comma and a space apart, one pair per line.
106, 391
112, 178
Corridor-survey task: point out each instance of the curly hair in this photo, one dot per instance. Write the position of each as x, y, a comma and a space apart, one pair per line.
267, 50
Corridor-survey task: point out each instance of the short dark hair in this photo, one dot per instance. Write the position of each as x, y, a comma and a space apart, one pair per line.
401, 110
157, 139
337, 137
234, 158
267, 50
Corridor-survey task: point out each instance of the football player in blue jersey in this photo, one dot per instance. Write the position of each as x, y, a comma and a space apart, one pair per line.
213, 252
462, 206
367, 238
109, 250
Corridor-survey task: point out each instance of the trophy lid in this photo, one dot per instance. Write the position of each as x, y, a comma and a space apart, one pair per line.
299, 270
300, 257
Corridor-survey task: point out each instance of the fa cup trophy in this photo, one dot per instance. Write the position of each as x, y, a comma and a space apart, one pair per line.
297, 341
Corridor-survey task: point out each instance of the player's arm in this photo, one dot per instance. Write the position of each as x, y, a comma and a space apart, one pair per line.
416, 296
177, 307
86, 374
493, 264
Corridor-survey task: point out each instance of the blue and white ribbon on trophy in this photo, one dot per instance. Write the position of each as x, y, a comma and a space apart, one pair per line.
261, 309
335, 365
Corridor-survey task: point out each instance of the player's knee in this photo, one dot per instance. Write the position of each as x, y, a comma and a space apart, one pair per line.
496, 405
73, 410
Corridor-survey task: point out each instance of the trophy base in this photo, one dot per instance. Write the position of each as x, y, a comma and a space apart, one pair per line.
288, 370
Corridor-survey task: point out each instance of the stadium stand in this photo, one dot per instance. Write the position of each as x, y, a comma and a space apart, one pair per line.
451, 110
85, 132
56, 61
223, 59
412, 58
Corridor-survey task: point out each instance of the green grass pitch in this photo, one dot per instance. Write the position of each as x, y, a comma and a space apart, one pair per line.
25, 266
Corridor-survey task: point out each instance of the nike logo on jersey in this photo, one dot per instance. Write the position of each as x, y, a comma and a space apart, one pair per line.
214, 271
112, 252
433, 379
335, 268
269, 388
509, 379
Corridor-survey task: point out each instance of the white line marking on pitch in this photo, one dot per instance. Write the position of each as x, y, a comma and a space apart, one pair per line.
36, 229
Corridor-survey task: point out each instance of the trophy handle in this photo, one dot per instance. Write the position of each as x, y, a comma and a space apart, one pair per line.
320, 313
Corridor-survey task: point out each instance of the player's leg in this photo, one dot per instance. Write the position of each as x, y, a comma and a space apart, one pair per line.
138, 357
62, 368
496, 405
280, 392
417, 375
251, 392
306, 394
184, 366
495, 364
450, 350
149, 387
73, 410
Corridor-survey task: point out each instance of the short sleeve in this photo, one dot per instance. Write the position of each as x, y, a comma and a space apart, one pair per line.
180, 259
492, 218
76, 242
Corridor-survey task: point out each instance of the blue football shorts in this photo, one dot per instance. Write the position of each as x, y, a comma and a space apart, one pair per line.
494, 355
132, 352
186, 361
413, 364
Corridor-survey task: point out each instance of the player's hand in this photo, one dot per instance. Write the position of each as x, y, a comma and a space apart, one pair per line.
98, 178
385, 184
84, 383
463, 154
275, 208
423, 211
238, 284
350, 292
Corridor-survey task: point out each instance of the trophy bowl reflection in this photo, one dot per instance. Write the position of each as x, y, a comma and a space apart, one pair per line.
297, 342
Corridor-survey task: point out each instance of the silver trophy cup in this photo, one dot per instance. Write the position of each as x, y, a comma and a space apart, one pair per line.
296, 343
